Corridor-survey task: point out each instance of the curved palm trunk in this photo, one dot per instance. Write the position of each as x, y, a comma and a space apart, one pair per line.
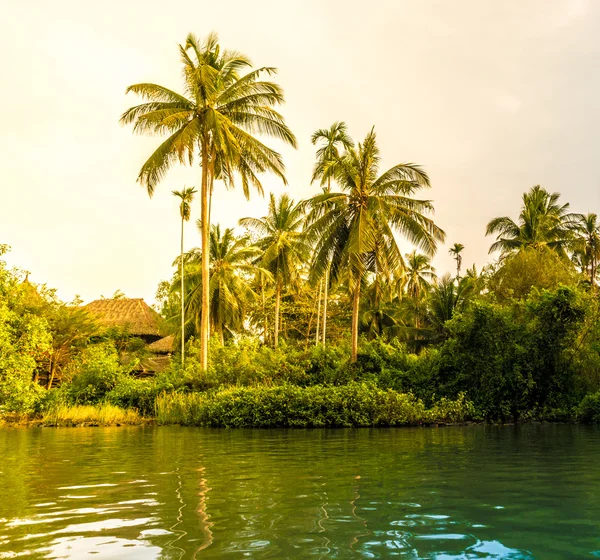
277, 304
205, 226
182, 301
325, 305
355, 307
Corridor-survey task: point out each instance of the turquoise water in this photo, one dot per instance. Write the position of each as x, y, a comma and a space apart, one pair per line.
466, 492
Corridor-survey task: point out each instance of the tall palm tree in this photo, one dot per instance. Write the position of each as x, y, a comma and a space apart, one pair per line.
456, 251
355, 227
215, 119
283, 245
186, 196
586, 245
232, 266
331, 140
543, 222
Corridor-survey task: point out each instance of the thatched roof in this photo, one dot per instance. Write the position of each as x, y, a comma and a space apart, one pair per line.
163, 345
132, 313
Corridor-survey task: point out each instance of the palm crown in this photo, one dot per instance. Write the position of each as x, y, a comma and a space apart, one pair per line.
543, 222
354, 228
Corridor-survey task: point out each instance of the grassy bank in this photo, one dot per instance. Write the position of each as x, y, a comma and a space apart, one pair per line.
103, 414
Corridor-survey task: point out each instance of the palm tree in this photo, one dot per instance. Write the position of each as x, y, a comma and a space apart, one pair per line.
283, 245
446, 297
232, 266
331, 140
186, 196
455, 251
543, 222
419, 275
355, 228
215, 119
586, 246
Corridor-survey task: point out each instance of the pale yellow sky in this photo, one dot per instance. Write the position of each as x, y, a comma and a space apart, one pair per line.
489, 97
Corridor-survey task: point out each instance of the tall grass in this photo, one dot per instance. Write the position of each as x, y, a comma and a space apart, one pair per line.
102, 414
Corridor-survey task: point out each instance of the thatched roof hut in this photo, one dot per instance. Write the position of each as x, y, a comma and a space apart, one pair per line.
134, 314
163, 346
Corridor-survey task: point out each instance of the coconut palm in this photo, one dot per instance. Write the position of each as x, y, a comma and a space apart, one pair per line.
446, 297
355, 227
586, 245
456, 251
186, 196
419, 275
543, 222
331, 140
215, 119
232, 266
283, 245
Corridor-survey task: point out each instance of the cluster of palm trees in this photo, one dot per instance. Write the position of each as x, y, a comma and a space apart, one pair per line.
338, 248
338, 245
345, 235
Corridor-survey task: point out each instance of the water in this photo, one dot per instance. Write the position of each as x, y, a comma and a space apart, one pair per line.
447, 493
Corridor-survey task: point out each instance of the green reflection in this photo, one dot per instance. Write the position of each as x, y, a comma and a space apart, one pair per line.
474, 492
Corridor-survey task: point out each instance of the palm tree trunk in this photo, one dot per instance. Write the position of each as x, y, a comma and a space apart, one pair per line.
355, 305
277, 303
204, 225
318, 314
182, 301
325, 305
593, 274
264, 309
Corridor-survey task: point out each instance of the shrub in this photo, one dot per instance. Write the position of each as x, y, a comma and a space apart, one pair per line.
93, 374
138, 394
588, 410
352, 405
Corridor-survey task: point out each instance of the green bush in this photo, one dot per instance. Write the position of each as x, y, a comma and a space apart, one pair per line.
138, 394
93, 374
453, 411
588, 410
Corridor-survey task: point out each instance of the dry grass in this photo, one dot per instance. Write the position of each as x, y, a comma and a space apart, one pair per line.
102, 415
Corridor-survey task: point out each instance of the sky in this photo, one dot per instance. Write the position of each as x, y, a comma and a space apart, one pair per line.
489, 97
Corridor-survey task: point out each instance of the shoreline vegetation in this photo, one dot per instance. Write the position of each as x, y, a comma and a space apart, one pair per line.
312, 315
356, 405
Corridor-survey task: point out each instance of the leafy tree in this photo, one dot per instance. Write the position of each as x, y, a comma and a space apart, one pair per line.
215, 119
72, 329
486, 354
283, 246
25, 340
352, 224
539, 267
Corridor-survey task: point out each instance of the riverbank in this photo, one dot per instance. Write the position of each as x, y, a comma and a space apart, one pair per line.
289, 406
